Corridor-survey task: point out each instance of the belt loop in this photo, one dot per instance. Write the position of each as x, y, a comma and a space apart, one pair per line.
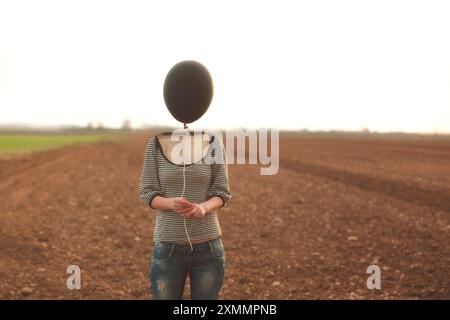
211, 246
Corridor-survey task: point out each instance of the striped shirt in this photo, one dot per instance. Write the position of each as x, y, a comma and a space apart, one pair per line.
204, 179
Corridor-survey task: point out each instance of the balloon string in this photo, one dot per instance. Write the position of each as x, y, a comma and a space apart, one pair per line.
184, 189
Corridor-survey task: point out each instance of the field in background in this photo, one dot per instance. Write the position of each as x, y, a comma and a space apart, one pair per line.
14, 143
338, 204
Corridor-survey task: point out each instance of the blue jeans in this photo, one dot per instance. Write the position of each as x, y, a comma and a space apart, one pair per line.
171, 263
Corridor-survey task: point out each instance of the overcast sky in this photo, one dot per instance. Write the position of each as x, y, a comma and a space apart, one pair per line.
384, 65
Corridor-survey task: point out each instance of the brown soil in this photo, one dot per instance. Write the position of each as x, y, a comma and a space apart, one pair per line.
336, 206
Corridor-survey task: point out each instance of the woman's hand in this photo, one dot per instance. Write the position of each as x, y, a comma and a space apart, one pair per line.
189, 209
181, 205
197, 211
186, 208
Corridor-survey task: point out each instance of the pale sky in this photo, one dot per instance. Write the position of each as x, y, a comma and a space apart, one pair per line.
384, 65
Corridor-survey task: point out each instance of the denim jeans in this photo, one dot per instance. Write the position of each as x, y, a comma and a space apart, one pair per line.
171, 263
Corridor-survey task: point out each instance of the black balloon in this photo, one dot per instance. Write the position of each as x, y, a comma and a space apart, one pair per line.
188, 91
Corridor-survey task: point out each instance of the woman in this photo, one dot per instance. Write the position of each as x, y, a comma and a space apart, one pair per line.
187, 235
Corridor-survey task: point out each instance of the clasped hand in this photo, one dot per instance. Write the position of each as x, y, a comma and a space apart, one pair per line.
188, 209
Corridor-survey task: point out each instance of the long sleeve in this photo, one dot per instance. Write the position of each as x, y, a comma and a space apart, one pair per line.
219, 180
150, 186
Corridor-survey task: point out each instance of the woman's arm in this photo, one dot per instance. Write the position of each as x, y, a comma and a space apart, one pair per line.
150, 186
185, 208
212, 204
219, 185
197, 210
161, 203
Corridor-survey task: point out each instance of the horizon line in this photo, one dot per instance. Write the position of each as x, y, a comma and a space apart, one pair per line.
42, 127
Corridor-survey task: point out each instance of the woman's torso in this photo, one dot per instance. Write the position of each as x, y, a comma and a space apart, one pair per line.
169, 226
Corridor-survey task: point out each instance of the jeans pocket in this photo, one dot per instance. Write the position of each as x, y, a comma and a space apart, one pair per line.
216, 248
162, 250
